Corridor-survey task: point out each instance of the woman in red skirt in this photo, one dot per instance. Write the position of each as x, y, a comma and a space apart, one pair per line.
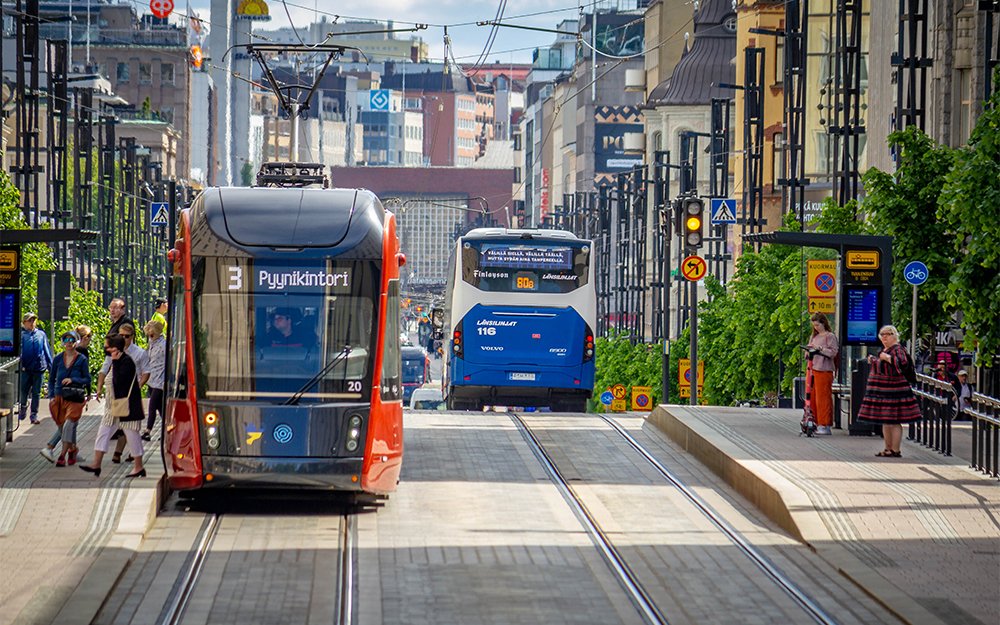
889, 400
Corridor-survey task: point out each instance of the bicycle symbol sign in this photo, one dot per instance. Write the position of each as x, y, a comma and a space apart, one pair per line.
825, 282
916, 273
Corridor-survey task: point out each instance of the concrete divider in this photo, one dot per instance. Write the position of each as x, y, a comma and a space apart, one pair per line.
782, 501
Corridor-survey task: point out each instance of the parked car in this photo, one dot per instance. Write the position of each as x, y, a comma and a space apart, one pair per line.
427, 397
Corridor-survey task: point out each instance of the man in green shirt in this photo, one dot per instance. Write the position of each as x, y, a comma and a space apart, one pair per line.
160, 314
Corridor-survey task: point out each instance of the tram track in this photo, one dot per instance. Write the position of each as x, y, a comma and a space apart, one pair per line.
187, 580
641, 596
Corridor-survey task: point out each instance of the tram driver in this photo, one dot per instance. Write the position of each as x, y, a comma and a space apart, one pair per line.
287, 330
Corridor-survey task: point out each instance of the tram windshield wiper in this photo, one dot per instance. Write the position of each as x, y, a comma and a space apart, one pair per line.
341, 357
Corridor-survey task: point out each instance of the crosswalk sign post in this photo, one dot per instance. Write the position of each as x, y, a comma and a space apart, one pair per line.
159, 214
723, 210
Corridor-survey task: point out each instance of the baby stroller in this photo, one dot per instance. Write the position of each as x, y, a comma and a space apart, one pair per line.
808, 423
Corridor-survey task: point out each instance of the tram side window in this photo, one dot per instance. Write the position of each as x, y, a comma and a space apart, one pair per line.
391, 357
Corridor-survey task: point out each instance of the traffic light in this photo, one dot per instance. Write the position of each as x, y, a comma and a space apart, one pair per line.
693, 216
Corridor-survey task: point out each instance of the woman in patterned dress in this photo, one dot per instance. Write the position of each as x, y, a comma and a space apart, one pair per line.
889, 400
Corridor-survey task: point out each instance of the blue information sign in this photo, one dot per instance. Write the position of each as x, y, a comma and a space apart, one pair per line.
159, 214
607, 398
916, 273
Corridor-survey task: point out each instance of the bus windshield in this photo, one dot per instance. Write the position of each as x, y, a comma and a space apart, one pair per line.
526, 266
264, 328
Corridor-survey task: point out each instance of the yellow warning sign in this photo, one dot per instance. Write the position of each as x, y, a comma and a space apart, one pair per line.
822, 278
861, 259
618, 405
825, 305
618, 390
684, 377
642, 398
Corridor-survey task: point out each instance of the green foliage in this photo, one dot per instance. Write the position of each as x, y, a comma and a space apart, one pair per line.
836, 219
246, 174
35, 257
620, 362
969, 211
904, 206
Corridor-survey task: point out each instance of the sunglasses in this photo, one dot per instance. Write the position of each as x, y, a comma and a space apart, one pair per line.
68, 340
125, 336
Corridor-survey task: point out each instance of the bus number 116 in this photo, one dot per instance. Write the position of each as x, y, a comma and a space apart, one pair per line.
487, 331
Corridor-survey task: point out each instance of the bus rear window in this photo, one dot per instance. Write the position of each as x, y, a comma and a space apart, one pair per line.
525, 268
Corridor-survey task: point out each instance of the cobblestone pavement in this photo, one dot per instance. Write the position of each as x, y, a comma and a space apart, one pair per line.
921, 532
60, 526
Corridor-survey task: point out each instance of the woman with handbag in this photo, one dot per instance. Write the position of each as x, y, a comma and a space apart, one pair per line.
69, 379
125, 412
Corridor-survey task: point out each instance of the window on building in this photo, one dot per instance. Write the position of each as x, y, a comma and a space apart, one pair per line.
517, 143
779, 62
122, 72
145, 73
777, 159
167, 73
965, 105
517, 175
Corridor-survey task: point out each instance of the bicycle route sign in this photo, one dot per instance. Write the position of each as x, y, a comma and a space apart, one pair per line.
916, 273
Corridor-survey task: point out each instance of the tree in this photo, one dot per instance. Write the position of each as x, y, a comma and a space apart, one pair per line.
969, 211
246, 174
904, 206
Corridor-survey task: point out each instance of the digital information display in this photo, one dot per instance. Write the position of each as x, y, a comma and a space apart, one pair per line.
862, 315
10, 326
511, 257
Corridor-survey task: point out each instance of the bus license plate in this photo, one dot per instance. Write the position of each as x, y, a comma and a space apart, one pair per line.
530, 377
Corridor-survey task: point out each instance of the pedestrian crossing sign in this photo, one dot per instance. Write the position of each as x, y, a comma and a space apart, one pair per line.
159, 214
723, 210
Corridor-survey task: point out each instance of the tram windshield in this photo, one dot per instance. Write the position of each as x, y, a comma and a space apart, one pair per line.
263, 329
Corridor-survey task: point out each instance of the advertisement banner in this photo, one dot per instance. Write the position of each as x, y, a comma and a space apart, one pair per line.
611, 124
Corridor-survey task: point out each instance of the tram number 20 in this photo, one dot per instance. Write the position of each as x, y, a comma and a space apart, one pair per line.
235, 278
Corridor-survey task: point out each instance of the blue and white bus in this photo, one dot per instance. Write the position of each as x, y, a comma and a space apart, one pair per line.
520, 313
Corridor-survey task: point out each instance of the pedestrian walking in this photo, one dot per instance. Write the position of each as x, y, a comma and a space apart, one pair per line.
36, 358
138, 356
116, 310
160, 314
69, 381
822, 352
125, 409
889, 399
965, 391
157, 353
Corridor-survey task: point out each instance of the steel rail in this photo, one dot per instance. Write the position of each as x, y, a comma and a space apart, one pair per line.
643, 602
763, 563
190, 576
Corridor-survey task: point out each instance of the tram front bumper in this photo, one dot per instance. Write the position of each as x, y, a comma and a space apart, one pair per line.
306, 473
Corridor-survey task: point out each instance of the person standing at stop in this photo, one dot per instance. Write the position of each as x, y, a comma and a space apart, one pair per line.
822, 352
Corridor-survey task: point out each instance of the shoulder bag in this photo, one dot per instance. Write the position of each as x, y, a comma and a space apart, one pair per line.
73, 392
120, 407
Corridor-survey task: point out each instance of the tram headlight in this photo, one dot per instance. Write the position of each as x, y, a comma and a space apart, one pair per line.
353, 432
212, 430
213, 443
211, 418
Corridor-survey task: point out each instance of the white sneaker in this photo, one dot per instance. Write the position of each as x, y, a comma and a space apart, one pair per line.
823, 430
48, 455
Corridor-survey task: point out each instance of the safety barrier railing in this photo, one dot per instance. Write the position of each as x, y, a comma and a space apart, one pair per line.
985, 413
938, 401
8, 400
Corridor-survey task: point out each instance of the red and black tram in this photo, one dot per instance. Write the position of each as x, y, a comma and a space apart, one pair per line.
285, 359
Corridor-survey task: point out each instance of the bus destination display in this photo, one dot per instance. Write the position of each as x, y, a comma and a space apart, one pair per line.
510, 257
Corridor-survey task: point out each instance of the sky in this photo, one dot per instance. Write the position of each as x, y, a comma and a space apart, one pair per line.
468, 40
